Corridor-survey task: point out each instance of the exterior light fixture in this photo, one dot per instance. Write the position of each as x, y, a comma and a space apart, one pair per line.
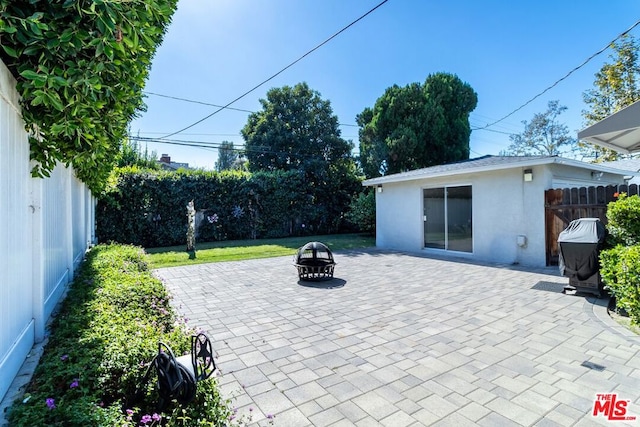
528, 175
596, 175
379, 188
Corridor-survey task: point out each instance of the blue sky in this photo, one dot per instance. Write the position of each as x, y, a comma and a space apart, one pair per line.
508, 51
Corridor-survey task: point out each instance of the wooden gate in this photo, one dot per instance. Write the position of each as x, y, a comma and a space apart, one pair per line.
563, 205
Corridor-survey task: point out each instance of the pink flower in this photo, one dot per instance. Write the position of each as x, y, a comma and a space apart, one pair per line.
145, 419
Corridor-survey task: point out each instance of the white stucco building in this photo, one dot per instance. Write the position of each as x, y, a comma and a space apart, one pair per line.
489, 209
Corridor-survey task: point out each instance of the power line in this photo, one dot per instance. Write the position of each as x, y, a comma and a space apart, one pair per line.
562, 78
216, 145
493, 130
192, 134
504, 125
279, 72
198, 102
222, 107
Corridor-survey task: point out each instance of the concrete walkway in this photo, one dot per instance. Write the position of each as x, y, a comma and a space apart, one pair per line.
402, 340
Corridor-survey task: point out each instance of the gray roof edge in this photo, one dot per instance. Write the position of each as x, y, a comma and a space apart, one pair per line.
625, 118
534, 161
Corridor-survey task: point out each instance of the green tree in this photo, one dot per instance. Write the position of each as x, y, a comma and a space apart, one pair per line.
295, 130
227, 156
131, 154
616, 85
362, 211
543, 135
417, 126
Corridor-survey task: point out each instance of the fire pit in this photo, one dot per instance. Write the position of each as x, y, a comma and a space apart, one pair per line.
314, 262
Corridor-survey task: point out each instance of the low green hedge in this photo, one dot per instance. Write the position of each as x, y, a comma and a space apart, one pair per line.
100, 343
620, 270
620, 263
623, 220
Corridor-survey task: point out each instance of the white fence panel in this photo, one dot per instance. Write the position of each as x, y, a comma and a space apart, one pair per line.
46, 226
57, 244
16, 320
78, 220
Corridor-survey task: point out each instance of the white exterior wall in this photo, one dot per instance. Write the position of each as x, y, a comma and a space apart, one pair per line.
45, 227
398, 217
565, 177
504, 207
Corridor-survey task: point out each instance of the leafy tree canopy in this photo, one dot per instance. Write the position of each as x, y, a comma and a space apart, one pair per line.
81, 67
616, 85
543, 135
295, 130
131, 154
417, 126
228, 157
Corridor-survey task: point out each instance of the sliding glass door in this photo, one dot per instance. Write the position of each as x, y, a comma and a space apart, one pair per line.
447, 218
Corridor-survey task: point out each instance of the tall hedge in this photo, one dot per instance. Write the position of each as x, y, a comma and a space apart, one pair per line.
148, 208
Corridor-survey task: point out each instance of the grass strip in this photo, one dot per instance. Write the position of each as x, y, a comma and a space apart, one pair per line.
237, 250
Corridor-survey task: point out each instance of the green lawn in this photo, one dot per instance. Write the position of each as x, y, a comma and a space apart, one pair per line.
234, 250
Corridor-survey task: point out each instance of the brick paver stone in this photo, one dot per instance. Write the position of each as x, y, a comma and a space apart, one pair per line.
401, 339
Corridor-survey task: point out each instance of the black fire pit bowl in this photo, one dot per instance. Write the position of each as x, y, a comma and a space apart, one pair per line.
314, 262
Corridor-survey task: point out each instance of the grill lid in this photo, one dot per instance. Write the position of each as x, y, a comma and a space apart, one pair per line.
583, 230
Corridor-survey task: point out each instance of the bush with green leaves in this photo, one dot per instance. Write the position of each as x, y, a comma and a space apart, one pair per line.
623, 220
81, 67
620, 265
148, 208
362, 211
101, 341
620, 270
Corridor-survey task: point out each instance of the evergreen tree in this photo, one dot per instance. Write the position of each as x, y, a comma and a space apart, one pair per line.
417, 126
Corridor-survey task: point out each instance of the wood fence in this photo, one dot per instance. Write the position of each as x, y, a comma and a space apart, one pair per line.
563, 205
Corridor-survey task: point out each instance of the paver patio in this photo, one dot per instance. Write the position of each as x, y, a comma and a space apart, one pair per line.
403, 340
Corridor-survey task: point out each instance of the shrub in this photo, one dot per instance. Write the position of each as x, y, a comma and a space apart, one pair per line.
148, 208
621, 273
362, 211
108, 327
623, 220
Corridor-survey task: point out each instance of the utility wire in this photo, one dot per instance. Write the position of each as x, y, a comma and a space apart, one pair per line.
198, 102
279, 72
213, 145
494, 131
561, 79
215, 105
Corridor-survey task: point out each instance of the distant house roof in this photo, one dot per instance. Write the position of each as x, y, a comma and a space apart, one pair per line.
491, 163
625, 164
173, 166
166, 163
620, 131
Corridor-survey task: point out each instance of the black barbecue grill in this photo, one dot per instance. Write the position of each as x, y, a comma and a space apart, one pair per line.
579, 249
